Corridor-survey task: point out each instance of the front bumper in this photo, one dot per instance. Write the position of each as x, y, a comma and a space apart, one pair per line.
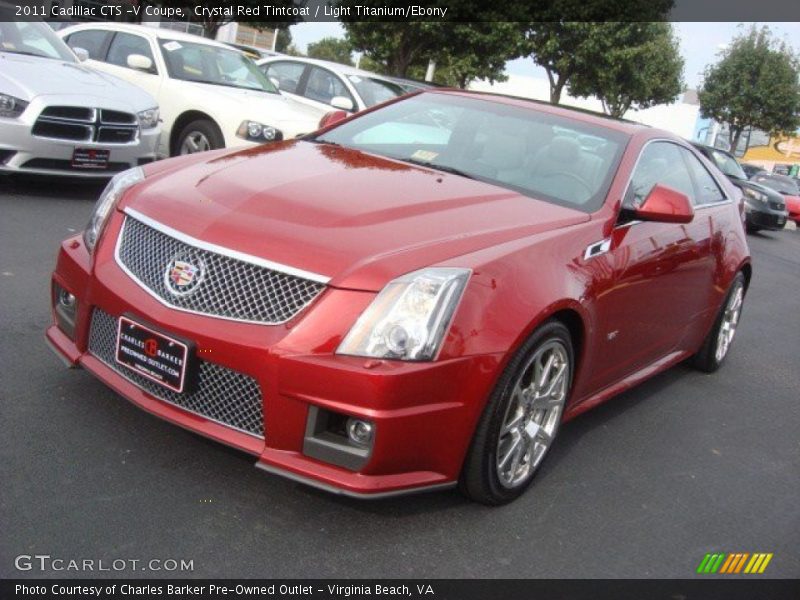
765, 217
424, 413
22, 152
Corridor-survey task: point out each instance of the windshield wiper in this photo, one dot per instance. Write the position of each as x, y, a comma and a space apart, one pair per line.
438, 167
319, 141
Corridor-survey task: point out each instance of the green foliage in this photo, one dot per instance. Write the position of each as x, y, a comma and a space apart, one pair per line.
333, 49
630, 65
754, 84
462, 51
284, 40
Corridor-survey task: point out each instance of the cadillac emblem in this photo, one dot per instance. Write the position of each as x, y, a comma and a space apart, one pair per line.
184, 275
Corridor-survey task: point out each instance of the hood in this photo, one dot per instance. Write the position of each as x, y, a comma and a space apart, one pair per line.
29, 76
356, 218
757, 187
267, 108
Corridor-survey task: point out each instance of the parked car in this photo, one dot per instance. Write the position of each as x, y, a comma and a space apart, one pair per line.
412, 85
764, 208
211, 96
326, 86
374, 313
58, 117
787, 187
751, 170
252, 52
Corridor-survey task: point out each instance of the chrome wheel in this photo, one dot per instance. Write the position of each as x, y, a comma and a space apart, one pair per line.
533, 413
730, 319
195, 141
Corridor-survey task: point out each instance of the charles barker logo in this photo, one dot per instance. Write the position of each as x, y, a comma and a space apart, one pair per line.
183, 275
736, 563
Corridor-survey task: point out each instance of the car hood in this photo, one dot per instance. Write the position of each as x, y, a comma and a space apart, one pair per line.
270, 109
356, 218
27, 77
757, 187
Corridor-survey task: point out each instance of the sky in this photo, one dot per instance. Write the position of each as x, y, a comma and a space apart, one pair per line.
700, 43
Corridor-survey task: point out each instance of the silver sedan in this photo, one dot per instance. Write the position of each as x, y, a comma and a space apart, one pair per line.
58, 117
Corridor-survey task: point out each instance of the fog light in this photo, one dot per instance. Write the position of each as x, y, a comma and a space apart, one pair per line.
359, 432
65, 307
66, 299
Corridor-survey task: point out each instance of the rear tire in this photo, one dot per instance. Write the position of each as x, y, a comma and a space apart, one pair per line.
717, 344
199, 136
521, 418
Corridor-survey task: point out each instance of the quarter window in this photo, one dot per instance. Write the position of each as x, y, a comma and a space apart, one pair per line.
125, 44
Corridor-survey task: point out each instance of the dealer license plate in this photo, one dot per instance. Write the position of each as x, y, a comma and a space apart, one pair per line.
90, 158
152, 354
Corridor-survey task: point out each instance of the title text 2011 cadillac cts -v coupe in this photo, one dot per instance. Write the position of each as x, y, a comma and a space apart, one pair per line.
411, 299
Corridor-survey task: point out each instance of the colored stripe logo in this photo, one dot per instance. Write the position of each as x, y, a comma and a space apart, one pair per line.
734, 563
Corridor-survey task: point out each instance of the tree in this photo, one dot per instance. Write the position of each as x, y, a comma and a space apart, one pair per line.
284, 41
634, 64
333, 49
754, 84
565, 37
221, 12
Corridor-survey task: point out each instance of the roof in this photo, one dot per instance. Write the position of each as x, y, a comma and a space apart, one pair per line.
587, 116
329, 64
157, 32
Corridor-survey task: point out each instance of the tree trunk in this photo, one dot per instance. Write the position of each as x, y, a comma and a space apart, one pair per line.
555, 90
736, 133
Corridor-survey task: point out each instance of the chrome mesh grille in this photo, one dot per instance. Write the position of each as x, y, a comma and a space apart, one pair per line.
219, 393
230, 288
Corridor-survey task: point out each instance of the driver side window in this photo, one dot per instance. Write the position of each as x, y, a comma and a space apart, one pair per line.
660, 162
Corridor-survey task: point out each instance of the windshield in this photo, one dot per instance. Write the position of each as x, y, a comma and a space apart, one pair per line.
204, 63
375, 91
548, 157
784, 185
728, 165
35, 39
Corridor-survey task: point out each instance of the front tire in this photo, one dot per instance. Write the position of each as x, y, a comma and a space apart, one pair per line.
521, 419
718, 341
199, 136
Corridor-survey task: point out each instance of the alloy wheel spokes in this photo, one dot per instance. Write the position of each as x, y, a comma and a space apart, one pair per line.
533, 413
730, 319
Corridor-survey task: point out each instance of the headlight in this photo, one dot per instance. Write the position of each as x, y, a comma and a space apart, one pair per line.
409, 318
106, 203
755, 195
148, 118
258, 132
11, 107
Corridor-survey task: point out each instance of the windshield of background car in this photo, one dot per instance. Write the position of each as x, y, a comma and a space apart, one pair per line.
784, 185
204, 63
728, 165
375, 91
33, 38
544, 156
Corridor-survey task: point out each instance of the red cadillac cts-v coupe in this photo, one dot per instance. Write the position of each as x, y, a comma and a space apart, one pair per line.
413, 298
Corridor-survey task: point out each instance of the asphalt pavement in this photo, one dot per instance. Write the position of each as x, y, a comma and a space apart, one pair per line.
643, 486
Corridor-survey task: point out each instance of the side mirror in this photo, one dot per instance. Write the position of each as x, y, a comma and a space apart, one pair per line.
665, 205
342, 103
140, 62
81, 53
332, 117
276, 82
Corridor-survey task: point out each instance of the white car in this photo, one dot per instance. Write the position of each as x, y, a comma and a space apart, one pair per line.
58, 117
327, 86
211, 96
